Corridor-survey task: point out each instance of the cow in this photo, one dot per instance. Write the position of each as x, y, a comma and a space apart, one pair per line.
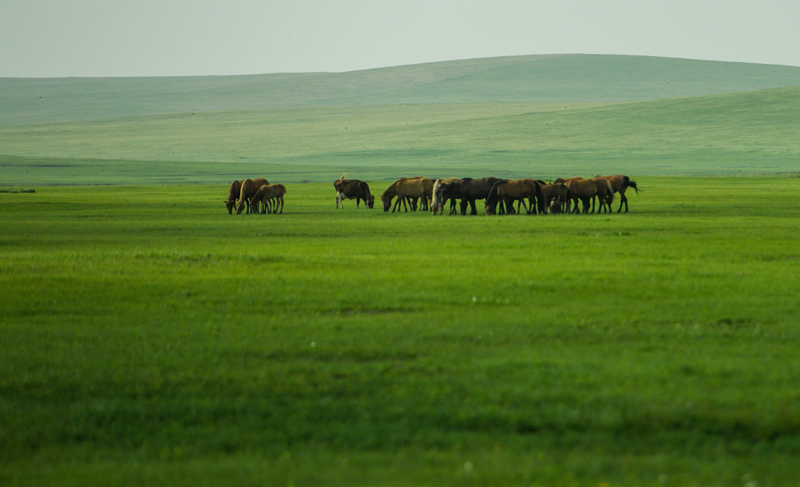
353, 189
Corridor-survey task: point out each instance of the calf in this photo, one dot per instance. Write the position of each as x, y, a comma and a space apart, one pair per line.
353, 189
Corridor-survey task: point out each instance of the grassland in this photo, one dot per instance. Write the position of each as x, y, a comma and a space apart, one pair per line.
736, 134
147, 337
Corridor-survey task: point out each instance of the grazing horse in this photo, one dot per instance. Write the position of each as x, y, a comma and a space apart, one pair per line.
553, 192
353, 189
605, 194
407, 189
510, 191
619, 183
249, 188
438, 201
468, 190
233, 195
269, 197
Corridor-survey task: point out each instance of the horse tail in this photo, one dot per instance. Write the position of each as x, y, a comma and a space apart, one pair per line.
627, 183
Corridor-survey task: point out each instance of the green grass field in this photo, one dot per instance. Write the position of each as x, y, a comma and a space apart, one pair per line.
149, 338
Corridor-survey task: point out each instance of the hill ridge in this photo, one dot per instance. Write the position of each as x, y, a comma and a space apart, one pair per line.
560, 78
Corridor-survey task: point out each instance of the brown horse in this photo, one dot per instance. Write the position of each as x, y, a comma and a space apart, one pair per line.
579, 189
407, 189
619, 183
468, 190
233, 195
269, 197
510, 191
553, 192
605, 194
438, 200
249, 188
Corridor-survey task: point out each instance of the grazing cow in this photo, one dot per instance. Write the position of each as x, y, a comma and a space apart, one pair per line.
233, 195
353, 189
249, 188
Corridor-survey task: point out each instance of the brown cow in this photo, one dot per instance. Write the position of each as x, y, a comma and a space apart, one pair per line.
233, 195
249, 188
353, 189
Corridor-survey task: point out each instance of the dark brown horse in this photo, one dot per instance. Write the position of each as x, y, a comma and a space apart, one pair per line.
619, 183
553, 192
233, 195
468, 190
438, 200
249, 188
508, 192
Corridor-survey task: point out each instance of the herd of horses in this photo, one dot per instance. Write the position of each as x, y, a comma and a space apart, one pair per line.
564, 195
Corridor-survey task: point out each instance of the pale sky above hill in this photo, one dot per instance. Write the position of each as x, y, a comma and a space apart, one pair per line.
57, 38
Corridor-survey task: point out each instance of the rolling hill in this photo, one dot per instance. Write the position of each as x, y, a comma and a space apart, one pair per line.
526, 79
543, 116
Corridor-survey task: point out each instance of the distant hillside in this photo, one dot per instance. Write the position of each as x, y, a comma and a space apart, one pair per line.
755, 132
546, 79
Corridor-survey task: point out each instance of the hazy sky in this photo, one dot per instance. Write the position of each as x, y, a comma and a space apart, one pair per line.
54, 38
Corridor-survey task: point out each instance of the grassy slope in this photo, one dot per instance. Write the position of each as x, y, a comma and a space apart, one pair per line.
744, 133
539, 79
143, 344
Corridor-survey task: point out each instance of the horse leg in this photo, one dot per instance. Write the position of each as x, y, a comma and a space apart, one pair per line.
473, 210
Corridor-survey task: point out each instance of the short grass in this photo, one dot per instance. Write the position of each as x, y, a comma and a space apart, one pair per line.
150, 338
